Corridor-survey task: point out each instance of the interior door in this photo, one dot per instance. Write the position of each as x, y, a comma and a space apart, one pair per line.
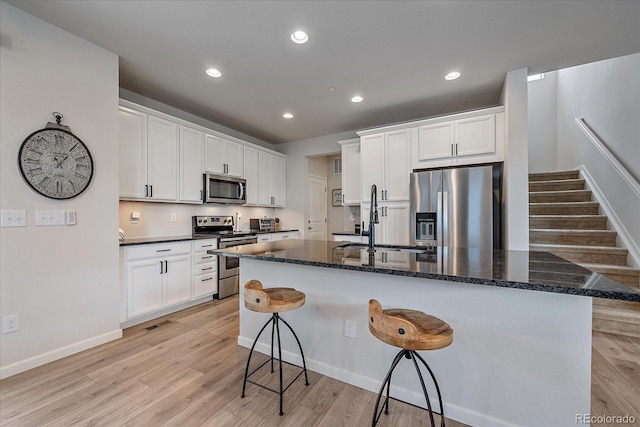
316, 211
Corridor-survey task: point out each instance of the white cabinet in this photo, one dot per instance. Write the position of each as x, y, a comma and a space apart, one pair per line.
157, 276
271, 179
223, 156
385, 162
267, 237
132, 153
148, 157
274, 237
191, 148
393, 227
348, 238
351, 191
205, 268
467, 138
251, 175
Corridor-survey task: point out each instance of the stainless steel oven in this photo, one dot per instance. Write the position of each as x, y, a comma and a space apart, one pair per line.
229, 267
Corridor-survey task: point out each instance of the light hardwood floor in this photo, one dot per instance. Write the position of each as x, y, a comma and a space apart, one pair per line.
188, 372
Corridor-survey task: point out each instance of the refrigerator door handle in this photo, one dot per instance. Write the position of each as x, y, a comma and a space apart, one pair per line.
446, 239
439, 240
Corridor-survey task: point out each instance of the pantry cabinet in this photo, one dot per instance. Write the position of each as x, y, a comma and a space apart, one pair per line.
251, 175
385, 162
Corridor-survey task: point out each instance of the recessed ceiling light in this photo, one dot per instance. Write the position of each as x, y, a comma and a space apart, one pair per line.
299, 37
357, 99
287, 116
214, 72
332, 89
452, 75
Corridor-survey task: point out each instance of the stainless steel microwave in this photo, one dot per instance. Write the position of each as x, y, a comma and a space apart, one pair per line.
224, 189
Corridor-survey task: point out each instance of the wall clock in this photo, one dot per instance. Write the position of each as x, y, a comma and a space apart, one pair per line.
55, 162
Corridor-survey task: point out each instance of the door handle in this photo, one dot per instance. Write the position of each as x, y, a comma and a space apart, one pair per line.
166, 266
146, 191
161, 269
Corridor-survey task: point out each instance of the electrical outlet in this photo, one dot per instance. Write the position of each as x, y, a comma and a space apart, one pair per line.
173, 218
135, 217
10, 323
349, 328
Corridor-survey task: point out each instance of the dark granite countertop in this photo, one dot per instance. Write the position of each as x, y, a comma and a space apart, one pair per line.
172, 239
536, 271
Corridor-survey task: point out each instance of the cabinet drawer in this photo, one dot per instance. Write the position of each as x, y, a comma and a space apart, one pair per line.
205, 245
207, 268
285, 236
205, 285
158, 250
264, 238
203, 257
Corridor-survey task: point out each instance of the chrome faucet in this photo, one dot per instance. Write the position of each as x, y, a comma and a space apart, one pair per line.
373, 220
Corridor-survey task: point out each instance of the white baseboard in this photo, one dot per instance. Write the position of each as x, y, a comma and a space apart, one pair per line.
59, 353
373, 385
625, 237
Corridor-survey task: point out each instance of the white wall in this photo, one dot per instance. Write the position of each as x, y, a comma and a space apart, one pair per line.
62, 281
543, 127
515, 179
297, 168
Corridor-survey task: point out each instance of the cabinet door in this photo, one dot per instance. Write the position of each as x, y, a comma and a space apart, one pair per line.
265, 174
162, 159
144, 286
396, 224
277, 180
213, 158
351, 192
372, 165
132, 140
435, 141
191, 181
233, 155
476, 135
397, 161
177, 280
251, 175
365, 212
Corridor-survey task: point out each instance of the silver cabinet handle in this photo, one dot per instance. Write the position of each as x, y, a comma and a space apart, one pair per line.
163, 250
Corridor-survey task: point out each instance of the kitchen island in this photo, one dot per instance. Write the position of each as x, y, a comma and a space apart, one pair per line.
522, 323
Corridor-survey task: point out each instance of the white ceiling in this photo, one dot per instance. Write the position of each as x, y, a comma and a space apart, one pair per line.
394, 53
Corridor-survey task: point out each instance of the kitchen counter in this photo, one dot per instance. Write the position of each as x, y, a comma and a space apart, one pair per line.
170, 239
521, 321
534, 271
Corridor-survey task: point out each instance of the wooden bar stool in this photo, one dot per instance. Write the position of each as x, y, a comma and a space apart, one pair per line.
275, 301
409, 330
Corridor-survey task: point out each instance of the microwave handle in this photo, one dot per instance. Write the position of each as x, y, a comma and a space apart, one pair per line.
241, 188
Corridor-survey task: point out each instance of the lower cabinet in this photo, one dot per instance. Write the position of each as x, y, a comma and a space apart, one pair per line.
160, 276
157, 276
393, 226
272, 237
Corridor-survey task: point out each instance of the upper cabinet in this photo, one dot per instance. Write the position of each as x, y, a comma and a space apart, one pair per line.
465, 138
162, 159
148, 150
223, 156
191, 148
385, 161
351, 191
271, 179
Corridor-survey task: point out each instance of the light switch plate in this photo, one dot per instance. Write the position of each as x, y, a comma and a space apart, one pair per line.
15, 218
71, 217
50, 217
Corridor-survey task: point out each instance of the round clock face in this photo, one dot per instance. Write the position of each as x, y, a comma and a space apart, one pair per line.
55, 163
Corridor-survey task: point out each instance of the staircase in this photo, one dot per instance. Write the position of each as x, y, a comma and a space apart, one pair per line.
566, 221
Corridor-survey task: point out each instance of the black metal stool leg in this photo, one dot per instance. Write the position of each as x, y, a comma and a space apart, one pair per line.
424, 388
304, 365
273, 327
277, 322
387, 380
433, 377
246, 370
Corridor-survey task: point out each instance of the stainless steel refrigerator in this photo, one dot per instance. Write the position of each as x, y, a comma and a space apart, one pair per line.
457, 207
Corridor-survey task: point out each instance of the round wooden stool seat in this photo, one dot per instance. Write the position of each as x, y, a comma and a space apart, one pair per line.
271, 300
408, 329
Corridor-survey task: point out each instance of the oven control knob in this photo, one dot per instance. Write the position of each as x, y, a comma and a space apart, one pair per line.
205, 221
